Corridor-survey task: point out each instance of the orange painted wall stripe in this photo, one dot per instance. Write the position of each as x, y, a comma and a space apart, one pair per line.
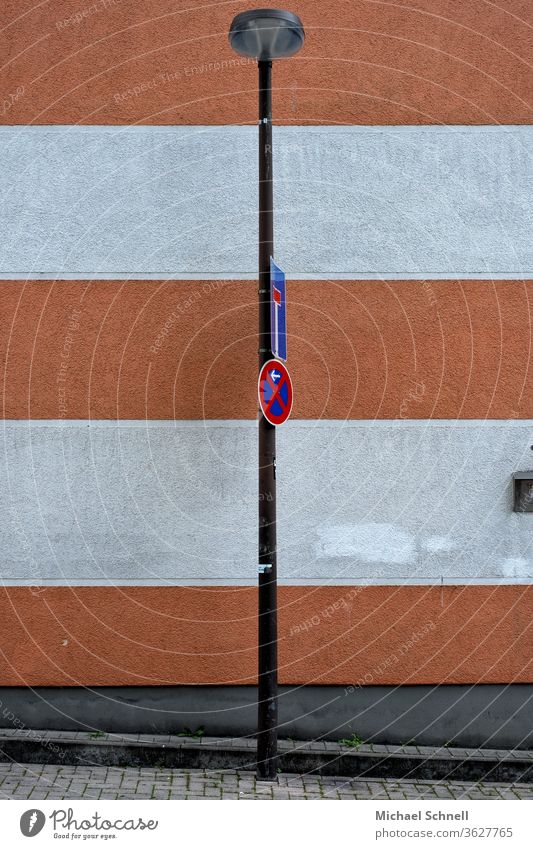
117, 62
357, 349
328, 635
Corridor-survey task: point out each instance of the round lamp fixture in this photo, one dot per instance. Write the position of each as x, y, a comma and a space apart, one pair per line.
266, 34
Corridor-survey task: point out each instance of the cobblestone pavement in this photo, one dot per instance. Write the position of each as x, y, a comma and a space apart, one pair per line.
32, 781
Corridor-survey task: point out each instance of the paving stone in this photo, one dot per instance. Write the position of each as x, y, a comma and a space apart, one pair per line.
28, 781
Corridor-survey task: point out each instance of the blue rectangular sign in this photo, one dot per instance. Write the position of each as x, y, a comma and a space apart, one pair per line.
278, 312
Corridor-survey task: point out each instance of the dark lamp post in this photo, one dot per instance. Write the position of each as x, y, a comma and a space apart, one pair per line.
265, 35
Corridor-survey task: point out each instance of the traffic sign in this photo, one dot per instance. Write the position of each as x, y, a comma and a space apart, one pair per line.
275, 392
278, 312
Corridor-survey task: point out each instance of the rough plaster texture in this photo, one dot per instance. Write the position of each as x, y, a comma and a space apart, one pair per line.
164, 501
452, 200
353, 635
157, 62
178, 349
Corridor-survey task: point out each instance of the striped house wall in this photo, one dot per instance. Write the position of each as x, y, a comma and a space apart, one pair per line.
128, 341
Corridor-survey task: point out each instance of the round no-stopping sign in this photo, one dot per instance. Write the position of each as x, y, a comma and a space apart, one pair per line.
275, 392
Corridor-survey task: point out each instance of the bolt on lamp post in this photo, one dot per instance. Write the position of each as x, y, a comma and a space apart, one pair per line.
265, 35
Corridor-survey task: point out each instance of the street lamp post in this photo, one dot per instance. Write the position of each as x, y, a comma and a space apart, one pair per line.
265, 35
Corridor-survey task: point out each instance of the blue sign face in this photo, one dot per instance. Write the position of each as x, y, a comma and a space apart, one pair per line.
278, 312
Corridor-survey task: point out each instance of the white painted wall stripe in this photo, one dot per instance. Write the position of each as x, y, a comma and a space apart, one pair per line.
251, 275
171, 502
287, 582
292, 424
349, 130
392, 202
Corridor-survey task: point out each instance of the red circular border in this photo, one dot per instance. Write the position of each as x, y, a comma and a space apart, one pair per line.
275, 420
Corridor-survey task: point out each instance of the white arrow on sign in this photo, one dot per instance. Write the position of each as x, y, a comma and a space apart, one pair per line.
275, 375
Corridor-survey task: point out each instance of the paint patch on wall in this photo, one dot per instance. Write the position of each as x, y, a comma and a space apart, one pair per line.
438, 544
516, 567
372, 542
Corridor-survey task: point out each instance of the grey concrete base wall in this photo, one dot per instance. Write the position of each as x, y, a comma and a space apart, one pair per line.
494, 716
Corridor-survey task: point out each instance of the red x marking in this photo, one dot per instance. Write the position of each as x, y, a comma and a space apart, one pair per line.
276, 387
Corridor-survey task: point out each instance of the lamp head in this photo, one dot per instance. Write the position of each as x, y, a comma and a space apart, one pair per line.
266, 34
